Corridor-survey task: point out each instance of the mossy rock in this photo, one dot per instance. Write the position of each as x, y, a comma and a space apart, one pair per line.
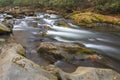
62, 23
90, 19
63, 51
20, 50
57, 48
79, 50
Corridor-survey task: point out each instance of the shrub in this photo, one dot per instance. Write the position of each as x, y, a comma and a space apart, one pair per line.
111, 6
6, 2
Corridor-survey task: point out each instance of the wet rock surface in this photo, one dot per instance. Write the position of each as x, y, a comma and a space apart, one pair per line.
13, 66
68, 56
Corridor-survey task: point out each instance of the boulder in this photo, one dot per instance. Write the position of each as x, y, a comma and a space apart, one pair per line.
3, 28
63, 51
14, 66
90, 73
96, 21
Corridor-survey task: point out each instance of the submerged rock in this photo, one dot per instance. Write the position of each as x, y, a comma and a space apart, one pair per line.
61, 23
13, 66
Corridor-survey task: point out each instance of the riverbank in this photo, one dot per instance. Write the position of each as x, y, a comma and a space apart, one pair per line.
96, 21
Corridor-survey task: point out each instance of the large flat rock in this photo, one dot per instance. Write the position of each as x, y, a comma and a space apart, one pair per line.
89, 73
13, 66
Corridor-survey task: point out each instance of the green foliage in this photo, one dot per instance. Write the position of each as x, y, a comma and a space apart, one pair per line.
6, 2
58, 3
61, 2
46, 3
112, 6
21, 2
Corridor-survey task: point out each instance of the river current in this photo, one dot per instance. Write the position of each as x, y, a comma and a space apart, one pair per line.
29, 32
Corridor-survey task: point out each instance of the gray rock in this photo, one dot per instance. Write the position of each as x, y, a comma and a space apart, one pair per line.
13, 66
88, 73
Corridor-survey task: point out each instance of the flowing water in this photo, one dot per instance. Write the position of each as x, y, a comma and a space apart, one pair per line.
29, 32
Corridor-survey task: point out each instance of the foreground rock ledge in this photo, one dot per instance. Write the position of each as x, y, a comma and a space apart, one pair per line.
13, 66
88, 73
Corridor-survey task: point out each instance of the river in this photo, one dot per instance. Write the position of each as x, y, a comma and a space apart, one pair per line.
29, 32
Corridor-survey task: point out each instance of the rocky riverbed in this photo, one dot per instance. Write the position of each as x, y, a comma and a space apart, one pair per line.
42, 46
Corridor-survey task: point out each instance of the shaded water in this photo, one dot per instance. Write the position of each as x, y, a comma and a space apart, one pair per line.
28, 31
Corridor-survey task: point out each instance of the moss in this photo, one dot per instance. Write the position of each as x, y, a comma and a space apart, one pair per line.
85, 51
89, 18
79, 50
51, 52
58, 48
21, 52
42, 51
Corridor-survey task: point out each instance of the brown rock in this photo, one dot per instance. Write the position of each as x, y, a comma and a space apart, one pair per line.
51, 12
